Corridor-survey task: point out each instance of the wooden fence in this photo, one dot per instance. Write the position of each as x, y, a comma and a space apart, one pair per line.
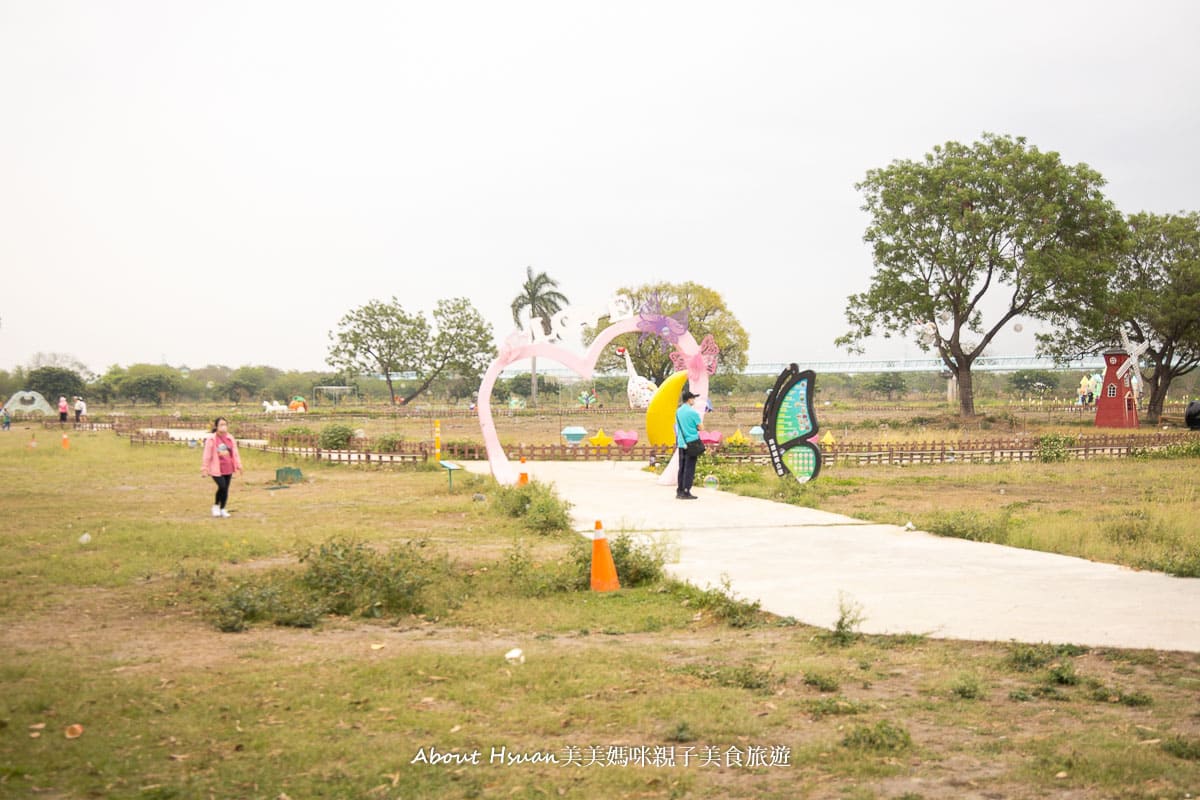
994, 450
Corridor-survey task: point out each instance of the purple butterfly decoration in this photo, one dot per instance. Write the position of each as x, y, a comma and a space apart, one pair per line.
667, 327
705, 359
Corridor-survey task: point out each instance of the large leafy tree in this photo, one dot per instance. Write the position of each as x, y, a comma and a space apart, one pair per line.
707, 313
152, 383
382, 338
55, 382
997, 228
540, 300
1153, 297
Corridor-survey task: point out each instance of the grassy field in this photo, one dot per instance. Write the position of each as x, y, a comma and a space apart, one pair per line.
659, 690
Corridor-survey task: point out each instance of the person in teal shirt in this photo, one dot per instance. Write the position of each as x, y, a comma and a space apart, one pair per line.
687, 429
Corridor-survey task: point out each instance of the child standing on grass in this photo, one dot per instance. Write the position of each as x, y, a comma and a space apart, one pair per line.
220, 462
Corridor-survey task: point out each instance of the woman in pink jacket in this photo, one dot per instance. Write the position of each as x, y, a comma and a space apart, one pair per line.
221, 460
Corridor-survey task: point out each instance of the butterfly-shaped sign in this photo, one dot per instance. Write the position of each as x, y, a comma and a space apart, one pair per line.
789, 421
703, 360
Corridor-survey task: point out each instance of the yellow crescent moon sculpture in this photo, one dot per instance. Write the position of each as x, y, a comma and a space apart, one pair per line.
660, 414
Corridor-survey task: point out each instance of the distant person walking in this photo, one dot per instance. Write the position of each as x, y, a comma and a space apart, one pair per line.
63, 409
80, 409
5, 418
687, 439
221, 461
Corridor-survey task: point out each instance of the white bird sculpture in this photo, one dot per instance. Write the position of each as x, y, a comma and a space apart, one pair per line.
640, 390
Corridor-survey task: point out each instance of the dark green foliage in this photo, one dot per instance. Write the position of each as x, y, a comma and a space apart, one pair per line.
54, 382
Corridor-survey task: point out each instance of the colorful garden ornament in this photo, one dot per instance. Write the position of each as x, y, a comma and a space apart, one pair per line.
518, 347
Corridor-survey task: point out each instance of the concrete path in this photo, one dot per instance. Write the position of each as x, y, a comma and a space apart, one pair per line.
804, 563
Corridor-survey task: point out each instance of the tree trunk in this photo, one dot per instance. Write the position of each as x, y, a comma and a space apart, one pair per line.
391, 392
1158, 395
533, 382
966, 392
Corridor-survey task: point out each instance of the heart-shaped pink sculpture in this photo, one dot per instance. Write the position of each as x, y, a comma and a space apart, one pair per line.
711, 437
583, 366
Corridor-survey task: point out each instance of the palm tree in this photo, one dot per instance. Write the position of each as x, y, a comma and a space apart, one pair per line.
541, 297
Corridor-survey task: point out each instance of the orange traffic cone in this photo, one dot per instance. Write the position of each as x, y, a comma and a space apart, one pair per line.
66, 443
523, 476
604, 571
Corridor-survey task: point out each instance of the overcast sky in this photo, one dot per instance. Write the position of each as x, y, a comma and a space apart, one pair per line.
219, 182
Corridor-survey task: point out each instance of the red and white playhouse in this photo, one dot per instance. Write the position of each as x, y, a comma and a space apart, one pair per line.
1116, 407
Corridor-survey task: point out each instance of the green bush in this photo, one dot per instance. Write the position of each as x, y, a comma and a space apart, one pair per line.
391, 443
291, 432
536, 505
336, 437
354, 580
1052, 448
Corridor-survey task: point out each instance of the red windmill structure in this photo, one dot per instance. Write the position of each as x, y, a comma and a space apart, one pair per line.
1116, 407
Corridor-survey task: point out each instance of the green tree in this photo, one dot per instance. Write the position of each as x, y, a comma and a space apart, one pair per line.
248, 383
55, 382
1033, 381
461, 348
541, 300
888, 384
152, 383
1153, 297
379, 338
382, 338
706, 314
997, 224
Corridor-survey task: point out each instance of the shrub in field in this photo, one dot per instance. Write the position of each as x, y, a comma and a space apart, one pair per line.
536, 504
883, 737
1182, 747
391, 443
637, 564
291, 432
355, 580
1052, 448
336, 437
